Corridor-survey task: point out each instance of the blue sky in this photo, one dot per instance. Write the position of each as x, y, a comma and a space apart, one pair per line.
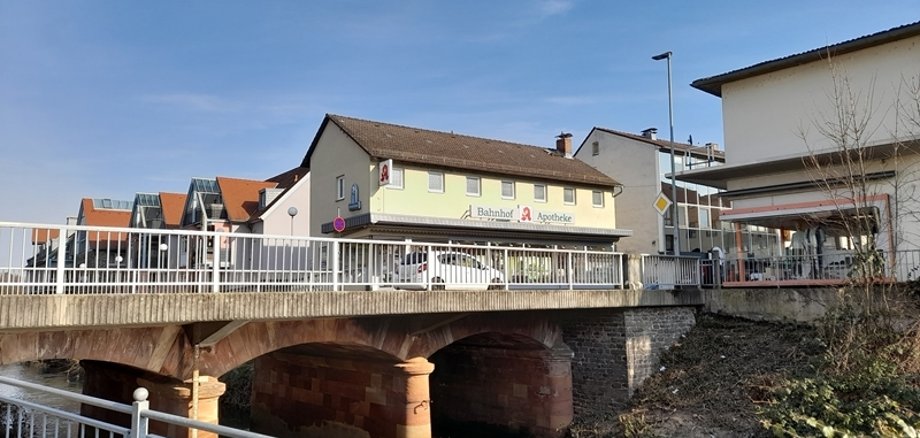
109, 98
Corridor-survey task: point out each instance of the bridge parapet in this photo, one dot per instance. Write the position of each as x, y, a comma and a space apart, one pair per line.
98, 311
59, 259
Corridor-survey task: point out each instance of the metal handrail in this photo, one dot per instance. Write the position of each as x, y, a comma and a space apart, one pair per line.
139, 411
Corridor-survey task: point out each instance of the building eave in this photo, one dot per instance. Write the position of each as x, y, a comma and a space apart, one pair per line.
713, 85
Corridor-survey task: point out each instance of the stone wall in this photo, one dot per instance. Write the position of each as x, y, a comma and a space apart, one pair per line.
650, 332
804, 304
615, 350
598, 342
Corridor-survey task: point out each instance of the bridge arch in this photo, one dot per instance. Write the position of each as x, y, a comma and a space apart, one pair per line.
143, 348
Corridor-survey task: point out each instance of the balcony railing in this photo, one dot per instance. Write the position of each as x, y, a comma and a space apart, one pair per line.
133, 260
833, 268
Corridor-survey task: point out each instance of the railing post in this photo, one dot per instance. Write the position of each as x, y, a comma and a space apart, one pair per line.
335, 265
505, 268
61, 260
138, 420
569, 270
717, 273
699, 275
215, 263
430, 266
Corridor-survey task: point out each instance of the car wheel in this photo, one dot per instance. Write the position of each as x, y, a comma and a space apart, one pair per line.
496, 284
437, 283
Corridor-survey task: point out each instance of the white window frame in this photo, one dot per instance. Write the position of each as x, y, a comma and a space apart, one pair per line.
595, 148
535, 198
478, 191
513, 189
402, 178
593, 198
340, 188
439, 174
703, 212
574, 196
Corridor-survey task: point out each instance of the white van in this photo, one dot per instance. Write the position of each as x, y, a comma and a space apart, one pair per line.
447, 270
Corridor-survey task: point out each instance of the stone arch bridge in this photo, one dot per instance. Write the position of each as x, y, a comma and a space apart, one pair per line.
364, 363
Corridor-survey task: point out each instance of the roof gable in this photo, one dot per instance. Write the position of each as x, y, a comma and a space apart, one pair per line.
103, 217
172, 206
241, 196
664, 145
450, 150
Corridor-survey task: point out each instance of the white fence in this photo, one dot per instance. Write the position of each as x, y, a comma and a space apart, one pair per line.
21, 418
668, 271
101, 260
835, 267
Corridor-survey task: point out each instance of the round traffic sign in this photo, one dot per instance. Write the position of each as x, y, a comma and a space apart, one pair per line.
338, 224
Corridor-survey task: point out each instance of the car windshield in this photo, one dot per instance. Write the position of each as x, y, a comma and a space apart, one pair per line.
457, 259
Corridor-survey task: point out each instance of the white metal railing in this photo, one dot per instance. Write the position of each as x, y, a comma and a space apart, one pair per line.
104, 260
668, 271
835, 267
21, 418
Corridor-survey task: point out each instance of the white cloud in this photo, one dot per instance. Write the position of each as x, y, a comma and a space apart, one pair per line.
548, 8
192, 101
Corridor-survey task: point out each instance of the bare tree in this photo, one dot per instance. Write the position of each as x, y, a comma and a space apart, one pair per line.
856, 174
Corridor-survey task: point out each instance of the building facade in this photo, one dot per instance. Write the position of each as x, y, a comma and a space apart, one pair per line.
642, 164
379, 180
823, 145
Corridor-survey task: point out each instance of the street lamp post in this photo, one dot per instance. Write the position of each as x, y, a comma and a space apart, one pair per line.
674, 212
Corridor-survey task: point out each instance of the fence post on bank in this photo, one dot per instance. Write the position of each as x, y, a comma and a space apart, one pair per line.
139, 422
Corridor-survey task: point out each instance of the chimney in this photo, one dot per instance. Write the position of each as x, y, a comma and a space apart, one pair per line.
564, 144
650, 133
713, 146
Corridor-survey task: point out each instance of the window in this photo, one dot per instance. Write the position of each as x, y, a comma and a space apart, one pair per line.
473, 186
508, 189
595, 148
396, 178
705, 222
539, 193
568, 196
340, 188
597, 198
436, 181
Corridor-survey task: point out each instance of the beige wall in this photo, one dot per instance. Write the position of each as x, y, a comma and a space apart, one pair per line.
336, 154
414, 198
764, 115
635, 165
277, 222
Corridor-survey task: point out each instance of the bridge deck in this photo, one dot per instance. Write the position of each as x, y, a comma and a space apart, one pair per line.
97, 311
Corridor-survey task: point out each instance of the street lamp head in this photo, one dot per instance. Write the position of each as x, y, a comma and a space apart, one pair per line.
664, 55
292, 212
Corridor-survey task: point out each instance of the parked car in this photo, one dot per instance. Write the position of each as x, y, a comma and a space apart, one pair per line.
447, 270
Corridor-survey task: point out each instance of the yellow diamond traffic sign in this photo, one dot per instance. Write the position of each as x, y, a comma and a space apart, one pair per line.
662, 203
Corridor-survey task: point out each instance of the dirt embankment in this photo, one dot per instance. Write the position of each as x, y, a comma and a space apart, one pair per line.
711, 382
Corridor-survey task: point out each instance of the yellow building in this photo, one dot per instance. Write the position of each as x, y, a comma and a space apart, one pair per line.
387, 181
